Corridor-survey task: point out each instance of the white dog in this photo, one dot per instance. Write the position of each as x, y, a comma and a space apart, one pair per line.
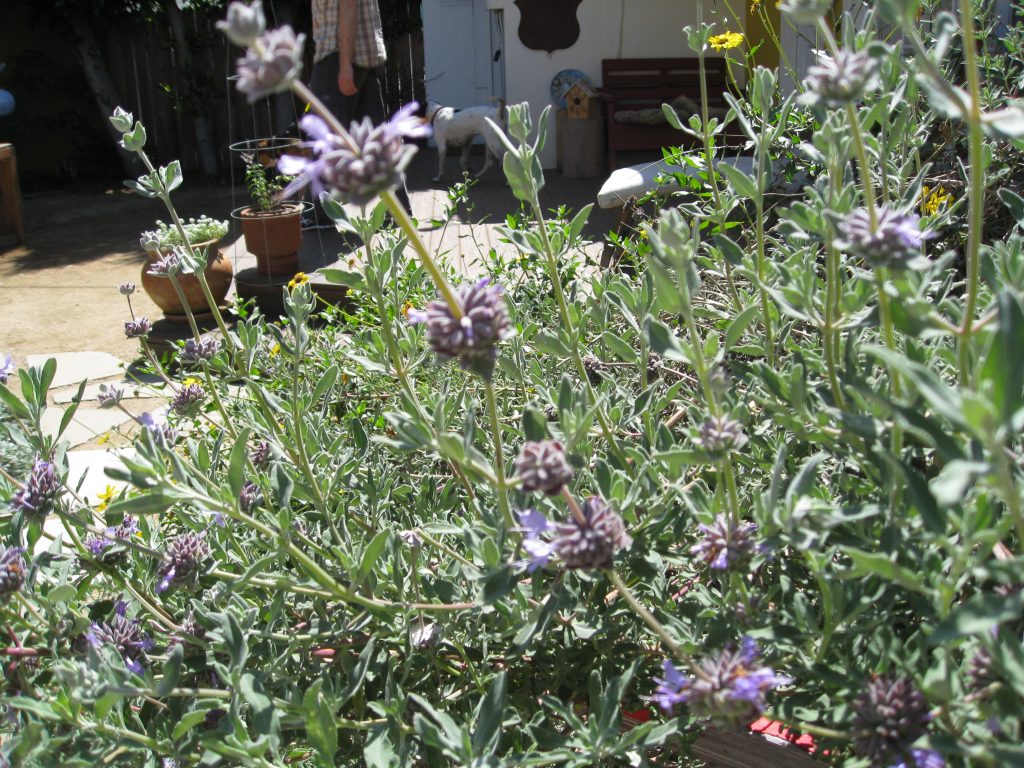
457, 127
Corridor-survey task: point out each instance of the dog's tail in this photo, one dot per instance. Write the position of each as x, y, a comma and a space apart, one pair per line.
502, 111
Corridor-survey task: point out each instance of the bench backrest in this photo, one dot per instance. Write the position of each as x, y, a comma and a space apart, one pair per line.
653, 81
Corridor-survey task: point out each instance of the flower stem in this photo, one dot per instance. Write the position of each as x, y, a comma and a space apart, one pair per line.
406, 225
647, 616
975, 193
567, 324
499, 454
184, 305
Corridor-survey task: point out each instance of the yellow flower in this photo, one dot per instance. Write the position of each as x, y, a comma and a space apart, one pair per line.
105, 497
275, 350
932, 201
755, 5
406, 307
299, 279
103, 439
190, 380
351, 262
726, 40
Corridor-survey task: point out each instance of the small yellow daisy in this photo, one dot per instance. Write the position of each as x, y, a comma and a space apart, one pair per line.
726, 40
298, 279
105, 497
275, 350
406, 307
190, 380
934, 200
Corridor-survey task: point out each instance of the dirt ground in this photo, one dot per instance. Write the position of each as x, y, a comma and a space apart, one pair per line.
58, 291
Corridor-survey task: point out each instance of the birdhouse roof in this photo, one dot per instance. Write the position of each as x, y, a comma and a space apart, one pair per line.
581, 89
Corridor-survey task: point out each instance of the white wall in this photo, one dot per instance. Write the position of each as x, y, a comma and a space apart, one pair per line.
609, 29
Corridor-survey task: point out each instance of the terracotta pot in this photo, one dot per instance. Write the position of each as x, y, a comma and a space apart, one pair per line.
273, 237
218, 275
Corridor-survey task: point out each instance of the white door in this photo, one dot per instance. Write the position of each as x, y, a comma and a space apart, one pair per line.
461, 51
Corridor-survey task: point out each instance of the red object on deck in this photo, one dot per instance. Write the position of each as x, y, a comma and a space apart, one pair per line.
768, 727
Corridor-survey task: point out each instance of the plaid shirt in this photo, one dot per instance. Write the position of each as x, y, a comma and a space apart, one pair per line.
369, 39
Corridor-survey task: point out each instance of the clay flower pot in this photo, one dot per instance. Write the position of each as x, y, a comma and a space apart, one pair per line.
273, 237
218, 275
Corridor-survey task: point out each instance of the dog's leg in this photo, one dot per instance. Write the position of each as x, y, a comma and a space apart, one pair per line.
488, 161
442, 153
464, 159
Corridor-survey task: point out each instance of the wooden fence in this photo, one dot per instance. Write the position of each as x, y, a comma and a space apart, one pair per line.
154, 84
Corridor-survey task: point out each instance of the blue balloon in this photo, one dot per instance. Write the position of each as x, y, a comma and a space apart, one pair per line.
6, 102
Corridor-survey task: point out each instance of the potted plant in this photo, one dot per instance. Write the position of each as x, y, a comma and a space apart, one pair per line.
272, 227
202, 234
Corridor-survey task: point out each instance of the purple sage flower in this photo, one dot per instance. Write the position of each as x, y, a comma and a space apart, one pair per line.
894, 243
250, 497
189, 631
260, 454
12, 571
163, 434
182, 561
922, 758
187, 398
533, 524
542, 467
197, 351
126, 636
109, 396
473, 338
728, 688
719, 435
98, 545
840, 80
271, 63
166, 264
7, 368
356, 172
590, 540
725, 542
244, 23
140, 326
890, 714
40, 491
126, 288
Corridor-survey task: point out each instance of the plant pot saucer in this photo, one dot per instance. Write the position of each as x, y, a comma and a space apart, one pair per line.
266, 290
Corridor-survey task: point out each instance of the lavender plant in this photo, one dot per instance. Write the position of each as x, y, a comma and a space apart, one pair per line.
470, 522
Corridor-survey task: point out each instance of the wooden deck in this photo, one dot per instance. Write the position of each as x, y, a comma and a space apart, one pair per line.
472, 230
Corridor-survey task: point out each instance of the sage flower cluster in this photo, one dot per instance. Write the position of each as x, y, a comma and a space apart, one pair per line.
542, 466
892, 241
124, 635
39, 493
471, 339
183, 559
728, 688
726, 542
588, 539
890, 714
356, 168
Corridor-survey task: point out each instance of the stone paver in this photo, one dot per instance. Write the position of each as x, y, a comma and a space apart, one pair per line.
132, 389
75, 367
87, 424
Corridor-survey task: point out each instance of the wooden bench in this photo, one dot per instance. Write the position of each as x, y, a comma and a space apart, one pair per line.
639, 84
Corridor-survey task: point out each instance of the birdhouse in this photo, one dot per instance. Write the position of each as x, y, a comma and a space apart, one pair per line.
582, 102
